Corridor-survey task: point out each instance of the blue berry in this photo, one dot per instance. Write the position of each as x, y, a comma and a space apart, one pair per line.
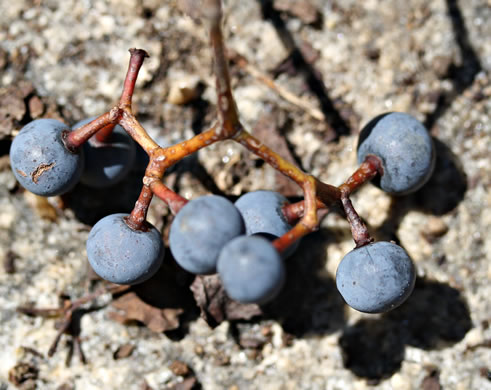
405, 148
121, 255
376, 278
262, 213
40, 160
108, 162
251, 270
201, 229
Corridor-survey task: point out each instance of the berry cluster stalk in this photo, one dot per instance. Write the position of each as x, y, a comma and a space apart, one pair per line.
318, 196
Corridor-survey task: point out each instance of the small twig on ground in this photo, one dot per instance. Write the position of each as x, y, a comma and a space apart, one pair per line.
67, 311
284, 93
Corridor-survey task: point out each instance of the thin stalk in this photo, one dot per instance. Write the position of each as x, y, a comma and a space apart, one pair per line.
136, 220
367, 170
172, 199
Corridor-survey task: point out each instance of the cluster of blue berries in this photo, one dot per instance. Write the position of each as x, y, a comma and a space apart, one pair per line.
210, 234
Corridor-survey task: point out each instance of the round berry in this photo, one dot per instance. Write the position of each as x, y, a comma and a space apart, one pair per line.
405, 149
201, 229
108, 162
262, 213
40, 160
251, 270
121, 255
376, 278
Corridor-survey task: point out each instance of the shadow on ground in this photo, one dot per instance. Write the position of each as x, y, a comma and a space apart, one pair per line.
313, 78
461, 76
442, 193
169, 289
309, 303
435, 317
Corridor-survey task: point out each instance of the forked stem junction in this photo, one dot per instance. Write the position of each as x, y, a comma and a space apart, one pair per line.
317, 195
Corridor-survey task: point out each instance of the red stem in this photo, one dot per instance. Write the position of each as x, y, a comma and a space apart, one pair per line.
359, 231
367, 170
103, 134
329, 195
309, 221
137, 56
76, 138
136, 220
289, 238
294, 211
173, 200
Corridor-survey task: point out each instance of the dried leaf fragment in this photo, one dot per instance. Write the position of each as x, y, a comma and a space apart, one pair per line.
216, 306
268, 129
123, 351
12, 109
134, 309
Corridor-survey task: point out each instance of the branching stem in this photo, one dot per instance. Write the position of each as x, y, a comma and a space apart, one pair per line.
317, 195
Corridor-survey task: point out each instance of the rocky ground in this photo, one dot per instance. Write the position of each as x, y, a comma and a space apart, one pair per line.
353, 61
